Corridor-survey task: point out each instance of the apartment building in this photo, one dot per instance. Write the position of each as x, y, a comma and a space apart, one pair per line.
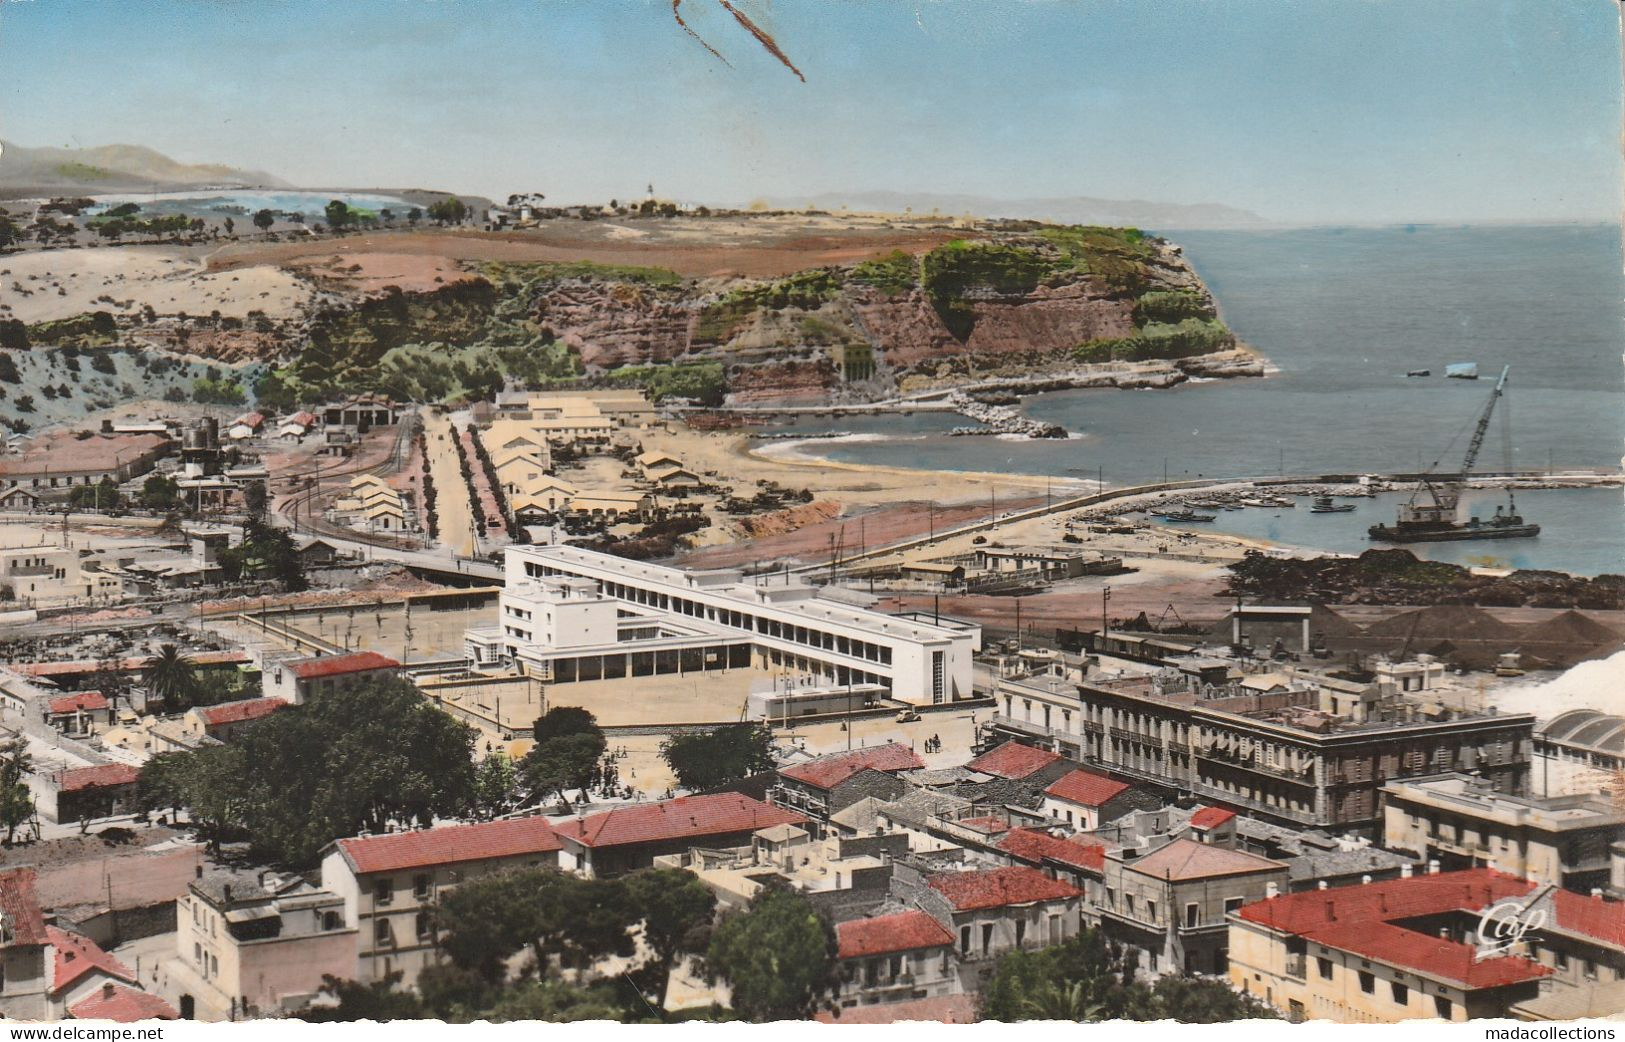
256, 944
894, 958
295, 680
625, 839
390, 884
788, 625
1170, 905
1386, 952
1282, 753
1462, 822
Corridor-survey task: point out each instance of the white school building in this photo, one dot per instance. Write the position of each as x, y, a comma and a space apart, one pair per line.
556, 624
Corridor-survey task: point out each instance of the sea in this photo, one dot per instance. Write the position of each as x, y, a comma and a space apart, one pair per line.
236, 201
1343, 314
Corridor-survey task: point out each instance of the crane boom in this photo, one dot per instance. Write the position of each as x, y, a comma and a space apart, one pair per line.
1483, 426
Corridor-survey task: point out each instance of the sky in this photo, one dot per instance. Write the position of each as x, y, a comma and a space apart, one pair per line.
1310, 111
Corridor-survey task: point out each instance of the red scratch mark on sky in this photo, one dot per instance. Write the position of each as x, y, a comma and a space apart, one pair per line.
763, 38
676, 12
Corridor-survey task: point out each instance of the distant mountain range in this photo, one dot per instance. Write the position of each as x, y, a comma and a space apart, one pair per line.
1076, 209
116, 168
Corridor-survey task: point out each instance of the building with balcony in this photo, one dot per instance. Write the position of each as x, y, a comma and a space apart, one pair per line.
1462, 822
1381, 953
990, 911
902, 957
1170, 905
788, 625
1283, 753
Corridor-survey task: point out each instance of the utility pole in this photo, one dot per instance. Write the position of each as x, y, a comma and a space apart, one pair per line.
1105, 625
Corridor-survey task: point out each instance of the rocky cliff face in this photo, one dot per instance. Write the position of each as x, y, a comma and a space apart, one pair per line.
1009, 302
858, 332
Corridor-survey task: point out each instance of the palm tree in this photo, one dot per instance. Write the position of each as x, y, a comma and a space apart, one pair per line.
16, 802
1055, 1001
171, 677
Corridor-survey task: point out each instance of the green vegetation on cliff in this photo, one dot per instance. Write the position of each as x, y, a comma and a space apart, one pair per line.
515, 275
1191, 336
703, 382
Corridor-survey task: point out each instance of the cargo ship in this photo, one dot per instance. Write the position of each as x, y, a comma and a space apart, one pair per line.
1431, 514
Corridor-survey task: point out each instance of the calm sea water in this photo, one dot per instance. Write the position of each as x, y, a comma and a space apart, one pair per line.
205, 203
1344, 314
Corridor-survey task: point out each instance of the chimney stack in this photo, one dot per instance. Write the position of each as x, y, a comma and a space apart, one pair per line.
1596, 893
1433, 867
1365, 880
1322, 885
1272, 890
1405, 871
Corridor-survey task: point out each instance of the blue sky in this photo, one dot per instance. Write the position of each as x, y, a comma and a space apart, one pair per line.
1305, 111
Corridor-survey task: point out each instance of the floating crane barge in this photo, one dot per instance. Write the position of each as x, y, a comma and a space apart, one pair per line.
1430, 515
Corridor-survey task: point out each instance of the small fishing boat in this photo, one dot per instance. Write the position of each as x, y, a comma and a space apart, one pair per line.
1462, 371
1324, 505
1419, 372
1184, 515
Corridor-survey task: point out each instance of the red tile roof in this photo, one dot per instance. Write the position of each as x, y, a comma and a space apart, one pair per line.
1188, 859
237, 712
998, 887
1426, 954
1470, 890
1591, 916
1013, 760
77, 956
103, 776
687, 816
903, 932
25, 924
1039, 846
86, 700
947, 1009
123, 1006
1211, 817
449, 845
341, 665
826, 772
1086, 788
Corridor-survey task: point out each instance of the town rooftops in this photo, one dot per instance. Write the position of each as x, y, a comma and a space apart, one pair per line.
122, 1005
77, 956
903, 932
1039, 846
1014, 760
1086, 788
1470, 890
341, 665
25, 924
1211, 817
102, 776
826, 772
999, 887
1428, 955
450, 845
239, 711
86, 701
1188, 859
684, 817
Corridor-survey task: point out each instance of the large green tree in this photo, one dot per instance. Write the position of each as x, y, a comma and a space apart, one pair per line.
568, 744
778, 956
709, 759
345, 762
576, 921
676, 911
